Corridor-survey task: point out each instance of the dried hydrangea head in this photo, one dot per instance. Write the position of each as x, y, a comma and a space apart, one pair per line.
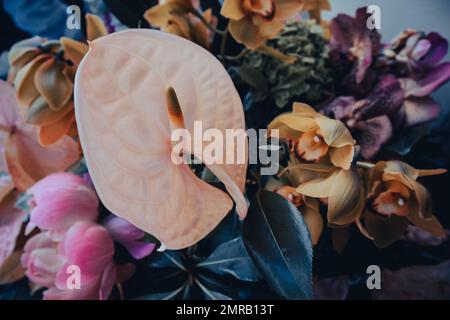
308, 78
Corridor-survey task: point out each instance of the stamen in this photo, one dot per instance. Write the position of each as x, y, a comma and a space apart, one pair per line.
174, 110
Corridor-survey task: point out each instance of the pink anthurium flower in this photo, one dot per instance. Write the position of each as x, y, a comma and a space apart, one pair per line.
125, 116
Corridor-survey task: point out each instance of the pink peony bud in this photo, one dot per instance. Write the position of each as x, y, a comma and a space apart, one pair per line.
60, 200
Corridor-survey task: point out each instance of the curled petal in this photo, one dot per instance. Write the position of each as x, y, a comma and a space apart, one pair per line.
232, 9
245, 32
314, 221
24, 82
385, 230
304, 110
286, 9
159, 15
420, 110
373, 178
334, 132
53, 84
95, 28
53, 132
423, 199
436, 77
40, 114
437, 51
346, 198
342, 157
431, 225
318, 188
74, 50
24, 51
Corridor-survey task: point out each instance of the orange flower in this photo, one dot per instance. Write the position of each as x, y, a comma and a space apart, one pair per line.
43, 73
394, 199
252, 22
316, 137
180, 17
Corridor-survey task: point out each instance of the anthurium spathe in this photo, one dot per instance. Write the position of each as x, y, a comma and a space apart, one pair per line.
133, 88
395, 199
252, 22
316, 137
180, 17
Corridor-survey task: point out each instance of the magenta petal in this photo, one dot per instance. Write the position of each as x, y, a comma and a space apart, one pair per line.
438, 49
385, 99
139, 250
89, 246
436, 77
340, 108
373, 134
421, 49
342, 32
420, 110
128, 235
121, 230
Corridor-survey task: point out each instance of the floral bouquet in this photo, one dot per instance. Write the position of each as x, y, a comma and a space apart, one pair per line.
98, 201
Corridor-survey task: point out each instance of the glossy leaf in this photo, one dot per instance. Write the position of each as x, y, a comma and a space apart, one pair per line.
278, 240
232, 258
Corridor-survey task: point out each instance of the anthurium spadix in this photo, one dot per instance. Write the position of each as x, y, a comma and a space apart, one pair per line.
132, 89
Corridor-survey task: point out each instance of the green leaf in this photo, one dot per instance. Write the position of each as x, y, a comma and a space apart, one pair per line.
231, 258
279, 243
253, 77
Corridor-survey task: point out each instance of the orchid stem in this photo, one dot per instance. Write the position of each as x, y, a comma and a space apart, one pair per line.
223, 42
365, 165
238, 56
207, 24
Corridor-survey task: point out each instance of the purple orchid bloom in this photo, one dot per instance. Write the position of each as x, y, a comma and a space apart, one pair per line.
129, 236
369, 118
351, 38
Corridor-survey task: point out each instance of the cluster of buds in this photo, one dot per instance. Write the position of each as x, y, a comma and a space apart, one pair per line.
43, 73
